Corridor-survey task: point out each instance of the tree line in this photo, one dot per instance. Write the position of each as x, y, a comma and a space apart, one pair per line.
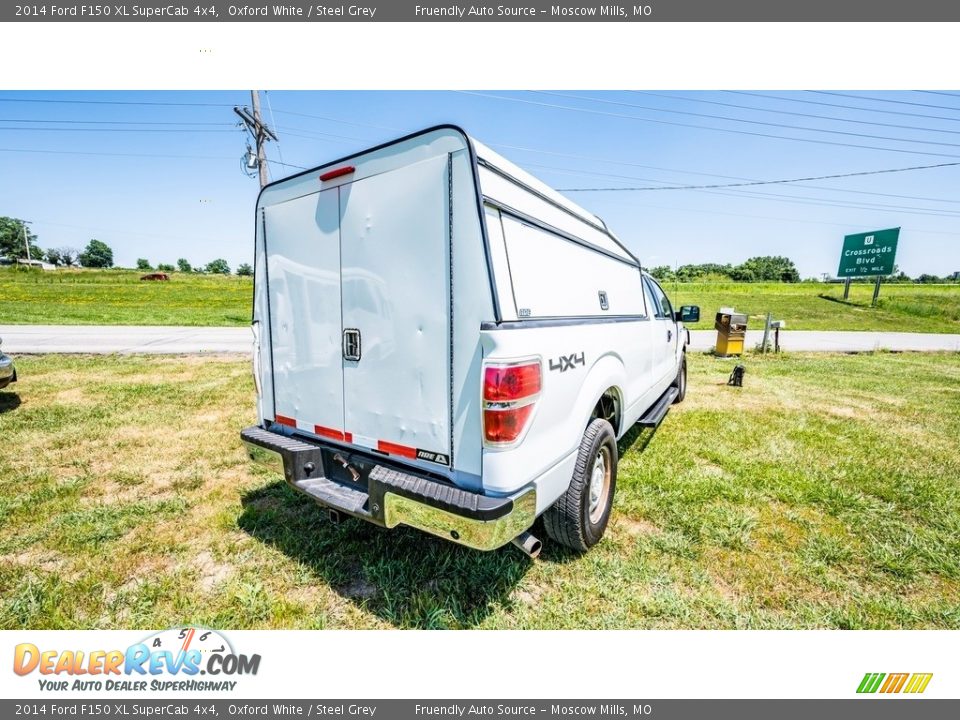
16, 237
757, 269
769, 268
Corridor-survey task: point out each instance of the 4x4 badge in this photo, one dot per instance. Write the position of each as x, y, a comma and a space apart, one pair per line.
567, 362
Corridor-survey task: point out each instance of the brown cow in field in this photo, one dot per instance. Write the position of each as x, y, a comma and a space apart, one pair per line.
155, 276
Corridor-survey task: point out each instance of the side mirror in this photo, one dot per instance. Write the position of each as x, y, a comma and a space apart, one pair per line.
688, 314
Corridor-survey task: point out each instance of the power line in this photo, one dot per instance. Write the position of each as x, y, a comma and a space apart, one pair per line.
339, 120
831, 118
845, 107
611, 162
131, 130
325, 135
880, 194
934, 92
707, 127
765, 182
802, 199
273, 121
140, 155
116, 102
827, 202
778, 219
784, 126
114, 154
885, 100
114, 122
705, 174
586, 173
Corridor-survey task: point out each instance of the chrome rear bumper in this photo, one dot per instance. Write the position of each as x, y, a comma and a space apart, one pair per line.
362, 486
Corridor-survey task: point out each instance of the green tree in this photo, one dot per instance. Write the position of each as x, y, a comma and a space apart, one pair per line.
688, 273
143, 264
165, 267
244, 270
97, 255
68, 256
766, 268
54, 257
183, 265
663, 273
218, 267
743, 273
12, 232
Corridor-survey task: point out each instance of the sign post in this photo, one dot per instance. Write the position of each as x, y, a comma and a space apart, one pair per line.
869, 254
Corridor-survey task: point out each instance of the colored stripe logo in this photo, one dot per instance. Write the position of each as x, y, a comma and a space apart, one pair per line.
914, 683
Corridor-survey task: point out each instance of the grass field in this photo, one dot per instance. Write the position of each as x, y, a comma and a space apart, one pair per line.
824, 493
118, 297
820, 306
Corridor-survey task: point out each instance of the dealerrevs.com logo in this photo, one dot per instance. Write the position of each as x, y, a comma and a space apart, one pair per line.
170, 660
892, 683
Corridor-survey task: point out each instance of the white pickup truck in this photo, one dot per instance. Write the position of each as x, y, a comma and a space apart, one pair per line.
444, 342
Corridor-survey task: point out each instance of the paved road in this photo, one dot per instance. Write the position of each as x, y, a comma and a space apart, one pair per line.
175, 340
838, 340
124, 339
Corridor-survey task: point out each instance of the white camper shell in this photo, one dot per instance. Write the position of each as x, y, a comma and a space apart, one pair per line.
443, 341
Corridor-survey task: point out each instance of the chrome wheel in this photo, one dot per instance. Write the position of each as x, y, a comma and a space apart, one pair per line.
599, 484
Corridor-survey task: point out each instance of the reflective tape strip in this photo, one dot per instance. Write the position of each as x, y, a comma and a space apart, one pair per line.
331, 433
395, 449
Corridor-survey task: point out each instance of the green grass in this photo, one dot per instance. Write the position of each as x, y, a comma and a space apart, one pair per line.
820, 306
119, 297
824, 493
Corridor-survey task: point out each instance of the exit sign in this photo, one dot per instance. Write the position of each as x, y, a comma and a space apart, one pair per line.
870, 253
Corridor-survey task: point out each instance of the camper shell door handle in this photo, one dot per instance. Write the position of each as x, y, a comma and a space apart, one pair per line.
351, 344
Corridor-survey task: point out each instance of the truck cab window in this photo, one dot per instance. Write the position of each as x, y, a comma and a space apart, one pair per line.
663, 302
653, 295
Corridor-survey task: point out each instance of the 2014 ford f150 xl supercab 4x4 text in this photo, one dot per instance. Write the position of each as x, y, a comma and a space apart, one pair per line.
442, 341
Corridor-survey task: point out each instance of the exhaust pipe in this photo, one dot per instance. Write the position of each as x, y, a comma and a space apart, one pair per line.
530, 545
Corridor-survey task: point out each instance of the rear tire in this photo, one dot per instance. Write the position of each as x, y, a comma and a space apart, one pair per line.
681, 382
579, 518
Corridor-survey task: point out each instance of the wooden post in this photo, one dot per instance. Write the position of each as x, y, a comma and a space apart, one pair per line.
766, 335
876, 292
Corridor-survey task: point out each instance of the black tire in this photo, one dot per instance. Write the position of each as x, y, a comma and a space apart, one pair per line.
570, 521
681, 381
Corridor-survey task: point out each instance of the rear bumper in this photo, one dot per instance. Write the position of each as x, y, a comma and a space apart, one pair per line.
366, 487
8, 373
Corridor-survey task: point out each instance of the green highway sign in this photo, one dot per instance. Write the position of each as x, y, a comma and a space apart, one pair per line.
869, 253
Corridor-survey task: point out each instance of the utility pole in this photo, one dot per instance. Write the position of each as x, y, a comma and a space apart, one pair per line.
260, 132
26, 241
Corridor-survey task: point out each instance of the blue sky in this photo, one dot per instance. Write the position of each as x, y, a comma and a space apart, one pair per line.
158, 174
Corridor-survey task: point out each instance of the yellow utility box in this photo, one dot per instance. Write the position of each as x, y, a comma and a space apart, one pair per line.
731, 331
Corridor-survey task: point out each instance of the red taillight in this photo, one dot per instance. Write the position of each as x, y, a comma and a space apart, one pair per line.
339, 172
511, 382
505, 426
509, 394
